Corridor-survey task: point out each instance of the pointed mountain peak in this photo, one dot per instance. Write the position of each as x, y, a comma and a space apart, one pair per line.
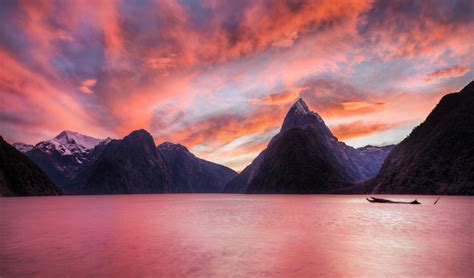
67, 134
72, 137
300, 107
299, 116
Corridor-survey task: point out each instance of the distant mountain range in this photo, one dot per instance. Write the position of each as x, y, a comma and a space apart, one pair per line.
81, 164
304, 157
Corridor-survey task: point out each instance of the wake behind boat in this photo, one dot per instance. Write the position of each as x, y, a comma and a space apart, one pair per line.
380, 200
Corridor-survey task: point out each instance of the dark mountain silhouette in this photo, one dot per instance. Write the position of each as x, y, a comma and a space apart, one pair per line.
19, 176
298, 162
324, 162
130, 165
191, 174
438, 156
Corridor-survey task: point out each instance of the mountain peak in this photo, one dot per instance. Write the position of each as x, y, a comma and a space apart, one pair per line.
67, 134
300, 116
300, 107
140, 135
68, 137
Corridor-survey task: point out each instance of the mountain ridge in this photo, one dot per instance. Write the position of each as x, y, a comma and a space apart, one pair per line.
438, 155
19, 176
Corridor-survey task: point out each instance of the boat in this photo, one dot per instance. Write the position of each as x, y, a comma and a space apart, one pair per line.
386, 201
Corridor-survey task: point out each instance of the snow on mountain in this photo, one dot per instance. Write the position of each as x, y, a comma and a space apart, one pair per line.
69, 143
22, 147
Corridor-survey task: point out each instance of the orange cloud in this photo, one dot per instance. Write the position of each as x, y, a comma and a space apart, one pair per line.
358, 105
455, 71
359, 129
35, 109
285, 97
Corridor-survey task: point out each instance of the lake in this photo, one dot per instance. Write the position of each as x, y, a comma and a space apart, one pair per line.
220, 235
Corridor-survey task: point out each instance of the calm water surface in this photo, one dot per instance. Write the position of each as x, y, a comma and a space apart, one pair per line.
235, 236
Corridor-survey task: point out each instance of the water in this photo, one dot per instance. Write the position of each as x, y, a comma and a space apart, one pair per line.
234, 236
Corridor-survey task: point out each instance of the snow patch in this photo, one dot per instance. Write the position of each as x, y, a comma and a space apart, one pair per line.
22, 147
71, 143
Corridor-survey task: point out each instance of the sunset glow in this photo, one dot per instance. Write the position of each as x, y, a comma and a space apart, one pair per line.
219, 76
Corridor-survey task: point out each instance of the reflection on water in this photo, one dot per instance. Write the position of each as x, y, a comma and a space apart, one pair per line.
235, 235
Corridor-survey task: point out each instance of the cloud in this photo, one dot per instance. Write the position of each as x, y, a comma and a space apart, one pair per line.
285, 97
34, 109
359, 129
362, 105
86, 86
209, 73
407, 29
450, 72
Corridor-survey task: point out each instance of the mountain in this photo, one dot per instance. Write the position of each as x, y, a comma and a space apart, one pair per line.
371, 158
298, 162
130, 165
359, 164
191, 174
305, 157
22, 147
62, 157
19, 176
438, 156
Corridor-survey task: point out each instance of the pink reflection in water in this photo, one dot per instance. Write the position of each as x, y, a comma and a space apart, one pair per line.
234, 235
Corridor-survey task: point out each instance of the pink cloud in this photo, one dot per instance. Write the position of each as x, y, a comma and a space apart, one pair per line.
86, 86
450, 72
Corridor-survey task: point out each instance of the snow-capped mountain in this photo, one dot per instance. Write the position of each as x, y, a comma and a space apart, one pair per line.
70, 143
22, 147
62, 156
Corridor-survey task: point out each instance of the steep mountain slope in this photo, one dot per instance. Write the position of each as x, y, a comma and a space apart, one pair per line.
62, 157
130, 165
19, 176
191, 174
359, 164
438, 156
353, 165
298, 162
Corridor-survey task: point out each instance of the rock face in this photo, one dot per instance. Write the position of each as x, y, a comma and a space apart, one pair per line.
19, 176
438, 156
130, 165
62, 157
324, 162
298, 162
191, 174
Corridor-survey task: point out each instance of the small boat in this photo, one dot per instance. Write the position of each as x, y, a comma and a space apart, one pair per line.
386, 201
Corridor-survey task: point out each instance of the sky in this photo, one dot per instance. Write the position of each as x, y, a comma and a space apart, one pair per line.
219, 76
